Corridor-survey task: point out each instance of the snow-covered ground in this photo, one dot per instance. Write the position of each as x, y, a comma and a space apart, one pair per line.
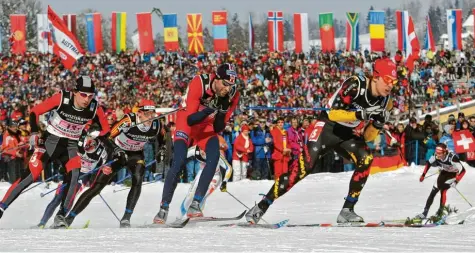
317, 199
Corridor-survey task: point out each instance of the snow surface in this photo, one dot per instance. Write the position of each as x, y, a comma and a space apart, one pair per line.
317, 199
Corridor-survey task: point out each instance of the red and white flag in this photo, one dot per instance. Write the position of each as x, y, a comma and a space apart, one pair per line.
275, 27
301, 32
65, 44
412, 47
463, 141
70, 22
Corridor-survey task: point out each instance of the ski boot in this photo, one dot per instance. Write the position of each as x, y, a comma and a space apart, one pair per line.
125, 224
59, 222
255, 214
422, 215
348, 215
161, 216
39, 226
194, 211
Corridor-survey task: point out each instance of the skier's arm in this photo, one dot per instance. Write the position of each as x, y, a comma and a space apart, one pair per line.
101, 119
46, 106
456, 163
195, 91
340, 110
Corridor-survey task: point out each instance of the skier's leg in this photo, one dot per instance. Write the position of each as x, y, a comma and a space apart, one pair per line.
137, 169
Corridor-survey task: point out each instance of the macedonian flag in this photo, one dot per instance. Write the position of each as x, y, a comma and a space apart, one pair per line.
195, 33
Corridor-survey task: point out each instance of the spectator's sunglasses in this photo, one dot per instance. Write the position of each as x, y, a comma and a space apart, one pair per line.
86, 95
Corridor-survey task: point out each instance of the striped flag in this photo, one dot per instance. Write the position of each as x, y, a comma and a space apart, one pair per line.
376, 30
70, 21
220, 30
94, 32
44, 35
251, 34
119, 32
429, 42
275, 28
65, 44
327, 31
170, 30
454, 29
402, 18
195, 33
352, 31
301, 32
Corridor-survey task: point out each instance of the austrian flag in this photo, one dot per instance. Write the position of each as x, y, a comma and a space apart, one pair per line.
65, 44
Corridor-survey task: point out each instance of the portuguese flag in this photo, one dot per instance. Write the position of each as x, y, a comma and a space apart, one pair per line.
327, 32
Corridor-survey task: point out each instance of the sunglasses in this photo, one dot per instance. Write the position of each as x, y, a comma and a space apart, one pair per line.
226, 83
86, 95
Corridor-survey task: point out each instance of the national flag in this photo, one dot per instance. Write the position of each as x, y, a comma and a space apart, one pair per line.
220, 30
170, 32
65, 44
473, 26
251, 34
400, 26
195, 33
18, 33
412, 44
119, 32
429, 42
352, 31
301, 33
454, 29
463, 141
1, 36
376, 30
70, 21
144, 24
94, 32
275, 28
44, 35
327, 32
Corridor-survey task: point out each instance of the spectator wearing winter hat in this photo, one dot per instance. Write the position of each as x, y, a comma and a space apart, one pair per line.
447, 138
12, 156
414, 137
242, 150
461, 118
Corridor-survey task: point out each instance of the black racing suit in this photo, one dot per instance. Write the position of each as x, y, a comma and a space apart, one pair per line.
336, 130
64, 128
450, 168
130, 136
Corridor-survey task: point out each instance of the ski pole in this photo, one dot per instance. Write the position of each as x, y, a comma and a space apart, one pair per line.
234, 197
433, 174
81, 177
105, 202
154, 118
151, 182
463, 196
47, 180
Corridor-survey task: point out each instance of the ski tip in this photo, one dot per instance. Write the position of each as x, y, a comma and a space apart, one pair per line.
86, 225
242, 214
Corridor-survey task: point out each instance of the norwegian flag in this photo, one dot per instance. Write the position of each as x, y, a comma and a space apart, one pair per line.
65, 44
275, 27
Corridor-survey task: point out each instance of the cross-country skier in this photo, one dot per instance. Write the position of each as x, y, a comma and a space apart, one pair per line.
221, 177
359, 100
129, 136
93, 155
71, 110
450, 168
210, 101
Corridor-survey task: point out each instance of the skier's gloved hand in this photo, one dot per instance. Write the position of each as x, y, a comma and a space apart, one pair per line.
221, 104
379, 119
223, 187
120, 155
421, 179
33, 141
106, 170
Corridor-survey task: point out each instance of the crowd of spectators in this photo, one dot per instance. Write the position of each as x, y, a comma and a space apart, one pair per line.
266, 79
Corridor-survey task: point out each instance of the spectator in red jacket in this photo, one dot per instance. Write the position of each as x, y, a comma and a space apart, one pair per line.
281, 154
241, 152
